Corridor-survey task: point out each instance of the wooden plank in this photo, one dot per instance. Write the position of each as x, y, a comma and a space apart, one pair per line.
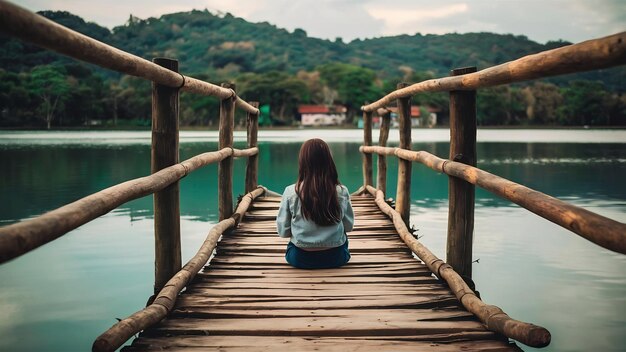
399, 256
355, 243
327, 326
323, 280
294, 273
436, 342
281, 249
270, 243
356, 257
280, 260
452, 314
204, 291
390, 314
350, 266
297, 287
262, 239
366, 302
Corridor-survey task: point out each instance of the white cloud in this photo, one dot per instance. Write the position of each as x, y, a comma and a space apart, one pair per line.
240, 8
411, 19
321, 18
540, 20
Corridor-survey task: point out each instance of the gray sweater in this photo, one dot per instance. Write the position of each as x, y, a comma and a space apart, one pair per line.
306, 233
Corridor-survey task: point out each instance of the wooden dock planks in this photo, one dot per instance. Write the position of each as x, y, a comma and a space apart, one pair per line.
249, 299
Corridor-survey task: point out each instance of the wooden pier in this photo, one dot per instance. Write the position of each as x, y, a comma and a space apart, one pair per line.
249, 298
246, 297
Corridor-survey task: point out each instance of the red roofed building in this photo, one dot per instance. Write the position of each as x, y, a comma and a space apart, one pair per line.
322, 115
313, 109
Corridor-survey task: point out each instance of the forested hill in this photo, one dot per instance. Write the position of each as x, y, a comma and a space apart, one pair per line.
206, 43
226, 48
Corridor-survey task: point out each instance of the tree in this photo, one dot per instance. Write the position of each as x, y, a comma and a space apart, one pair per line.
51, 85
282, 91
16, 100
586, 103
542, 103
499, 105
318, 92
134, 100
199, 110
355, 85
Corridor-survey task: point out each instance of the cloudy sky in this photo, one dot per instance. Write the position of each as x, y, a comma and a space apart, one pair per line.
540, 20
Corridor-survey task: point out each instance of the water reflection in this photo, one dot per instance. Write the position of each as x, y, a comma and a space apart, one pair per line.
533, 269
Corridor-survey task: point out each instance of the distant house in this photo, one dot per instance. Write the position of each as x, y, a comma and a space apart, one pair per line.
322, 115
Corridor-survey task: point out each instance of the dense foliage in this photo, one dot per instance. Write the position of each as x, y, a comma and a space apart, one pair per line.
39, 88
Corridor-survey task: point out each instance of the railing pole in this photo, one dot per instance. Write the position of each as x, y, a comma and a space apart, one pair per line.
367, 140
252, 166
461, 193
381, 182
166, 202
403, 193
225, 167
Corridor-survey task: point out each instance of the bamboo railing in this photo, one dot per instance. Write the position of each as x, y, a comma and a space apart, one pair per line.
598, 229
119, 333
493, 317
593, 54
22, 237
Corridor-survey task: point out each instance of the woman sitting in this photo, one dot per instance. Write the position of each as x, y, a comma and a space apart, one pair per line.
315, 212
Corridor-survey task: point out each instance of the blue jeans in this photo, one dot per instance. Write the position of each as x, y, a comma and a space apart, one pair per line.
328, 258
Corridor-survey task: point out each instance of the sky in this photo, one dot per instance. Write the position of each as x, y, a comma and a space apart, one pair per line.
539, 20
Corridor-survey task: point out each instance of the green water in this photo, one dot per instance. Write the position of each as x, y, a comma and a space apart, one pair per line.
64, 294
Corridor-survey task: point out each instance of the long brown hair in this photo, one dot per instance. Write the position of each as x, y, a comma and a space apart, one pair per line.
317, 181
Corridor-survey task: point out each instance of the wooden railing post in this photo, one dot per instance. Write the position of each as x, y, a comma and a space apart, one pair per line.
381, 182
225, 167
461, 193
166, 202
367, 140
403, 193
252, 166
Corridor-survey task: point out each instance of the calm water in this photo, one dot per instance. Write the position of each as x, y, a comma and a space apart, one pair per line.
63, 295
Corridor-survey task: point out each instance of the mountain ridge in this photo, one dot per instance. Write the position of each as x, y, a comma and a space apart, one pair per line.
285, 68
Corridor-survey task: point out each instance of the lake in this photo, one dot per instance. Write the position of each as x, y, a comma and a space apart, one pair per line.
61, 296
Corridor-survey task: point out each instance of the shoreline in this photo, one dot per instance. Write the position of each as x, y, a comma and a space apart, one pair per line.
284, 135
301, 128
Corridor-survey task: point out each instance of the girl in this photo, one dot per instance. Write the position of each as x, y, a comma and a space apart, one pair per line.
315, 212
